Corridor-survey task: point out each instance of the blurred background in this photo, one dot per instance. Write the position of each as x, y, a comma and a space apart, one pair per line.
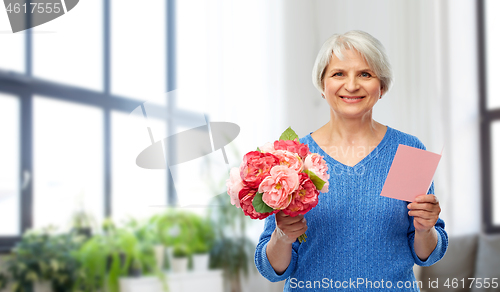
69, 140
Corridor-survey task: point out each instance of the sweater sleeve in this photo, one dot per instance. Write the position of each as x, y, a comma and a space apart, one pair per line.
442, 244
262, 262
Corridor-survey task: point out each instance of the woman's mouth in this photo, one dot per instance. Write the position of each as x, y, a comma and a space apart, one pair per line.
352, 99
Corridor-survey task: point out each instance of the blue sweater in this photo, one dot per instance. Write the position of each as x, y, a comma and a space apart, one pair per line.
357, 239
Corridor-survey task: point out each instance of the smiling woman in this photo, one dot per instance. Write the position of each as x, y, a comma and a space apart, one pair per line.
357, 234
350, 81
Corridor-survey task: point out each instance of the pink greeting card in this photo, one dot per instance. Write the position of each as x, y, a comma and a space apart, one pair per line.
411, 173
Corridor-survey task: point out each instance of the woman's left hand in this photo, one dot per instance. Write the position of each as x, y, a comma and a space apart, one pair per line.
425, 211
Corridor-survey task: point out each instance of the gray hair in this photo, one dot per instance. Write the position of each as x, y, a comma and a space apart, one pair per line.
369, 47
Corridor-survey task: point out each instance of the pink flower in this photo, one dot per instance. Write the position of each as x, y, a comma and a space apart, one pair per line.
234, 185
256, 166
289, 159
246, 196
268, 147
278, 187
304, 198
315, 163
293, 146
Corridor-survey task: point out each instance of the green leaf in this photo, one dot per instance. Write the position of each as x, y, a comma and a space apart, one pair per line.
319, 183
289, 134
259, 205
258, 149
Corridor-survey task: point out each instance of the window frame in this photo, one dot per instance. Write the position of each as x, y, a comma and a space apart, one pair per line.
26, 86
487, 117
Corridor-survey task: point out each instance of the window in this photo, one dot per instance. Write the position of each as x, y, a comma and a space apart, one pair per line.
9, 168
67, 160
70, 87
67, 88
489, 42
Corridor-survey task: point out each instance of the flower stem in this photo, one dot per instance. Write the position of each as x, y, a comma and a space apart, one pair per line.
302, 238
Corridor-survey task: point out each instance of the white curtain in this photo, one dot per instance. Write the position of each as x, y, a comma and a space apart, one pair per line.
229, 70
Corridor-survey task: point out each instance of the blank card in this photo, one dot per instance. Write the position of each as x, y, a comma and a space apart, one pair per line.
410, 174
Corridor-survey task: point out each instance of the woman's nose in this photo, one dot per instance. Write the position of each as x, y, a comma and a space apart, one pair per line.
351, 84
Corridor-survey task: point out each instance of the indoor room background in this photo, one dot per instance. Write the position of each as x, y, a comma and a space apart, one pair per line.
69, 89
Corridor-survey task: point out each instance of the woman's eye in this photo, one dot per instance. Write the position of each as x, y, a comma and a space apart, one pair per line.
338, 74
366, 74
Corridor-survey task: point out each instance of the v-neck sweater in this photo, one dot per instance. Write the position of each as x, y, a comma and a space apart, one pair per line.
357, 240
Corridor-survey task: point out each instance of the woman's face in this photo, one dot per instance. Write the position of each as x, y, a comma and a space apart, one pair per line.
351, 88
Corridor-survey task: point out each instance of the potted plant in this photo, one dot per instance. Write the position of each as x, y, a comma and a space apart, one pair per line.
3, 281
148, 232
232, 250
82, 223
180, 258
106, 257
145, 256
174, 228
200, 257
204, 236
44, 258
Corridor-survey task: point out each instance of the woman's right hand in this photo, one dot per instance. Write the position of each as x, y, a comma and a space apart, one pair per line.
289, 228
279, 249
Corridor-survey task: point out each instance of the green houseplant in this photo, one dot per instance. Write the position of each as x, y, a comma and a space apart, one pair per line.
144, 259
3, 281
202, 243
42, 255
117, 252
105, 257
82, 223
180, 258
232, 250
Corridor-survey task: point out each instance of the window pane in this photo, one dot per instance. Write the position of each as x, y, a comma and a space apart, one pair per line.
69, 48
495, 176
136, 191
11, 55
68, 161
138, 50
9, 166
201, 52
492, 49
197, 181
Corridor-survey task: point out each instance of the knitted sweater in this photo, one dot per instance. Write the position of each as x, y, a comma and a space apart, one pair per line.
357, 239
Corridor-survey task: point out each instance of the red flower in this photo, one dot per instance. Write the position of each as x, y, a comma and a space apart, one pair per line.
293, 146
246, 196
304, 198
256, 166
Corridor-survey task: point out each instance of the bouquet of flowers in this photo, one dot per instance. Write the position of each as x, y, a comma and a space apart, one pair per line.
280, 176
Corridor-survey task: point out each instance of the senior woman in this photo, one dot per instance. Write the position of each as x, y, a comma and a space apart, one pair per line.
357, 239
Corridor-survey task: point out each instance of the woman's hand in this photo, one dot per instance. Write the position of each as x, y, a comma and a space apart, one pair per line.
279, 248
425, 211
288, 228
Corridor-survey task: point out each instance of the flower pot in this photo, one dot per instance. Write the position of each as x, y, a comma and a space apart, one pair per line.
160, 256
42, 286
109, 261
179, 265
83, 231
134, 272
200, 262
